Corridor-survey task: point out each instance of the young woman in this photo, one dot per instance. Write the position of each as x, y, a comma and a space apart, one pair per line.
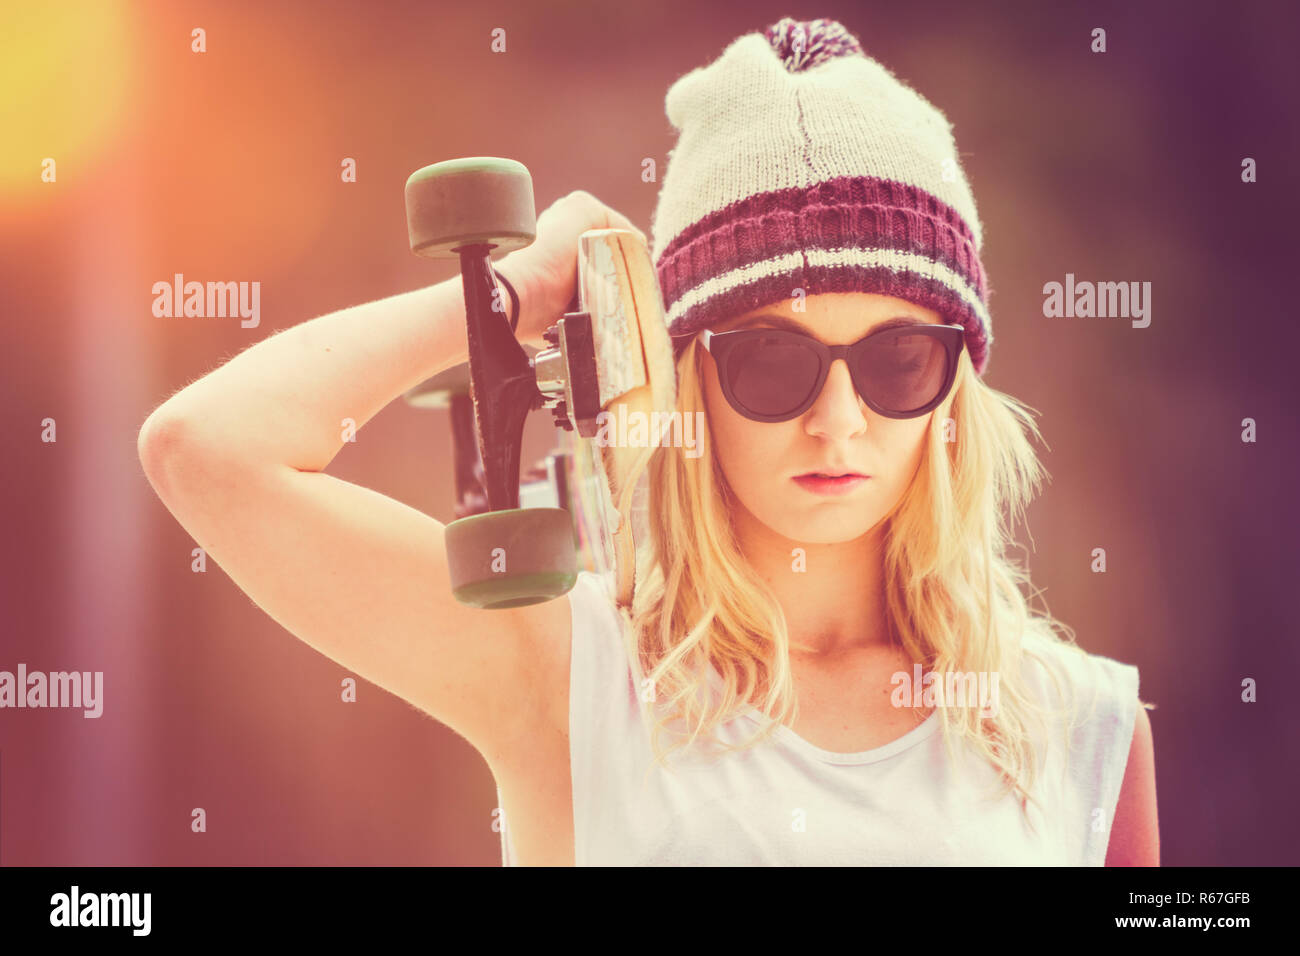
817, 668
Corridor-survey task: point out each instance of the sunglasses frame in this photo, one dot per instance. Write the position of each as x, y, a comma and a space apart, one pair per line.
721, 345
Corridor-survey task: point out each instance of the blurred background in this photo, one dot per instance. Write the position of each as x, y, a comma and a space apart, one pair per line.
1122, 166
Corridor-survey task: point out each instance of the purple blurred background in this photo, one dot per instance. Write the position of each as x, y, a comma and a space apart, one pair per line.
1122, 166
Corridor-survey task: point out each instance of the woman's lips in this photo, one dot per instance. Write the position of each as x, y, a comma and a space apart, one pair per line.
830, 486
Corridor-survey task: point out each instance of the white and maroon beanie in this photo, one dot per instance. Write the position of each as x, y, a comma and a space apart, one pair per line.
801, 163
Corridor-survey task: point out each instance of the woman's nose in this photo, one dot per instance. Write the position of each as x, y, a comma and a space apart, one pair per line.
838, 410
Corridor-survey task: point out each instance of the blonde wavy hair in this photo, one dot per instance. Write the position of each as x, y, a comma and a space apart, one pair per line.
953, 597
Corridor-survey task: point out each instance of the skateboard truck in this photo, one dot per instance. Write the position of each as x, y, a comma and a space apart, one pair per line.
450, 390
506, 556
610, 347
566, 373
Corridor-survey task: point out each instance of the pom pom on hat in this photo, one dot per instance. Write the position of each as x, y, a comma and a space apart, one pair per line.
804, 44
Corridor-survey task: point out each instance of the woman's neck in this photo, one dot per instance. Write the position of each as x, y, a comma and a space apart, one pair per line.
833, 595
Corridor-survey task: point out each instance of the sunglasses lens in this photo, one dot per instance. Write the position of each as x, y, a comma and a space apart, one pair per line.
772, 374
904, 371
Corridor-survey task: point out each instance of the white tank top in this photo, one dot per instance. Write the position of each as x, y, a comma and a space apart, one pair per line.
786, 802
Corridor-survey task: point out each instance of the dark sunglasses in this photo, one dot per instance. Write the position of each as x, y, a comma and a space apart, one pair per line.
775, 375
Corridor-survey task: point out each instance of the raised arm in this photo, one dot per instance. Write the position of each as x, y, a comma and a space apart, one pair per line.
238, 459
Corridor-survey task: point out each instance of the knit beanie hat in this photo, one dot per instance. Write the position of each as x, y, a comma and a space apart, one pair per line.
801, 163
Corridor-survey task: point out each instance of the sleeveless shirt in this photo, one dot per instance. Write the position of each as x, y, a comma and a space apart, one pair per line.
786, 802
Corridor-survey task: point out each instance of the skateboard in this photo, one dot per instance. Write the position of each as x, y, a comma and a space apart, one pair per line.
522, 539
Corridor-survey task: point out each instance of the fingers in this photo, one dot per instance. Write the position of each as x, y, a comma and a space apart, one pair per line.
625, 223
580, 211
610, 218
616, 220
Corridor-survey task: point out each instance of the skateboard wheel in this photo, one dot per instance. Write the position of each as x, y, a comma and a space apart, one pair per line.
460, 202
511, 558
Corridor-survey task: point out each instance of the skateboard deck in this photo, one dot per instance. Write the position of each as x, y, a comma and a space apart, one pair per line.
636, 376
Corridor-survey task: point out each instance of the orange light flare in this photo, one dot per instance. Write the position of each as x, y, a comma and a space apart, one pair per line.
66, 73
234, 146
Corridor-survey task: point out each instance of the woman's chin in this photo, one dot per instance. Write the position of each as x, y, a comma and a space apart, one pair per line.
824, 530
